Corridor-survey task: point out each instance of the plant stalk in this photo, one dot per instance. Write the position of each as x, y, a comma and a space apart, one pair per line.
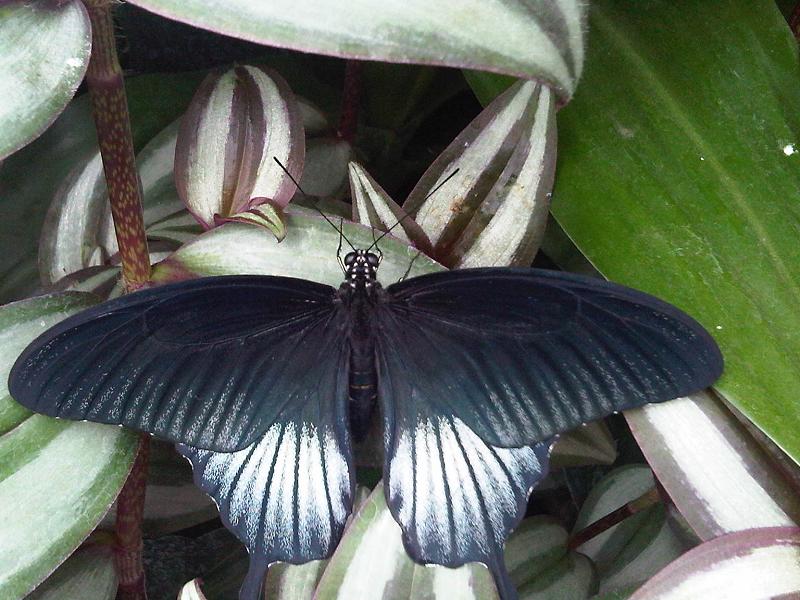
646, 500
130, 511
110, 110
112, 121
351, 99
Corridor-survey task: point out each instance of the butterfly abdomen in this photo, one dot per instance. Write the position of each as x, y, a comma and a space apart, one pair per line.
363, 388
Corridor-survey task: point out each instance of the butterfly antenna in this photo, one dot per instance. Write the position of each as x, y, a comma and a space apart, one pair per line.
406, 216
314, 206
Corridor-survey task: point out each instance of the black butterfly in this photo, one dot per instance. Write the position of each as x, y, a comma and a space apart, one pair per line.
265, 381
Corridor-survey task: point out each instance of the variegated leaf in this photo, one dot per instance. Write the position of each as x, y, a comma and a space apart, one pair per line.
373, 207
535, 40
309, 251
44, 52
494, 210
57, 478
238, 122
715, 472
634, 549
754, 564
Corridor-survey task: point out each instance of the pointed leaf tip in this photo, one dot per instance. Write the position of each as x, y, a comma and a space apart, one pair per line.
373, 207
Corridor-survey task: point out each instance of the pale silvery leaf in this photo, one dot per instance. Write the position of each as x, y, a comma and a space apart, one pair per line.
493, 211
534, 40
239, 122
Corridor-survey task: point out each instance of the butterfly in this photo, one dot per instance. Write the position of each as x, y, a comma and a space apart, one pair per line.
265, 383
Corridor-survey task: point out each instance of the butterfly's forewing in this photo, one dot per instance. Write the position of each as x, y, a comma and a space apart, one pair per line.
200, 362
501, 361
287, 496
522, 354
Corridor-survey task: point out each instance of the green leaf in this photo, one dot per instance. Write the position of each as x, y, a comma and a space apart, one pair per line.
88, 574
636, 548
57, 478
542, 40
44, 51
541, 566
678, 175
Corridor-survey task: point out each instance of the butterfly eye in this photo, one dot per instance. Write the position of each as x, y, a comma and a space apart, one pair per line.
372, 259
349, 258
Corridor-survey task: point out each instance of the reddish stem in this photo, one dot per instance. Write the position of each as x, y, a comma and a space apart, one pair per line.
615, 517
112, 121
351, 97
110, 109
130, 511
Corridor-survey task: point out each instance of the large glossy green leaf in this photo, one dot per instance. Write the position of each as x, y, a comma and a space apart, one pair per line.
44, 51
678, 174
542, 40
57, 478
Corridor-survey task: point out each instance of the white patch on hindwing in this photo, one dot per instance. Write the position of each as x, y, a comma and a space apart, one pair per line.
276, 488
461, 482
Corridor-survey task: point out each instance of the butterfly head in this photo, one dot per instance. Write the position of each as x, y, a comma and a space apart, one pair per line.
361, 267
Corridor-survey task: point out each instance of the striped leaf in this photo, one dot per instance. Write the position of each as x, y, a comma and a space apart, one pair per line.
493, 212
57, 478
373, 207
309, 251
44, 52
631, 551
88, 574
758, 563
534, 40
716, 473
238, 122
372, 544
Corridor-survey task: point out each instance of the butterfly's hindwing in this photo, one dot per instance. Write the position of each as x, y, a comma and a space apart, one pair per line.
288, 495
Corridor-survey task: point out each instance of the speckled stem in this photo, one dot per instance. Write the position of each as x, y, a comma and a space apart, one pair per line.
130, 511
110, 109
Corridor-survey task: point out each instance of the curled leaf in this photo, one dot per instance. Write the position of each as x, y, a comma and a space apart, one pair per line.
494, 210
267, 216
237, 123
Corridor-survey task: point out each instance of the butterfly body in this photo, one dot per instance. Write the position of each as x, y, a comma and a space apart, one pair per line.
264, 382
359, 294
